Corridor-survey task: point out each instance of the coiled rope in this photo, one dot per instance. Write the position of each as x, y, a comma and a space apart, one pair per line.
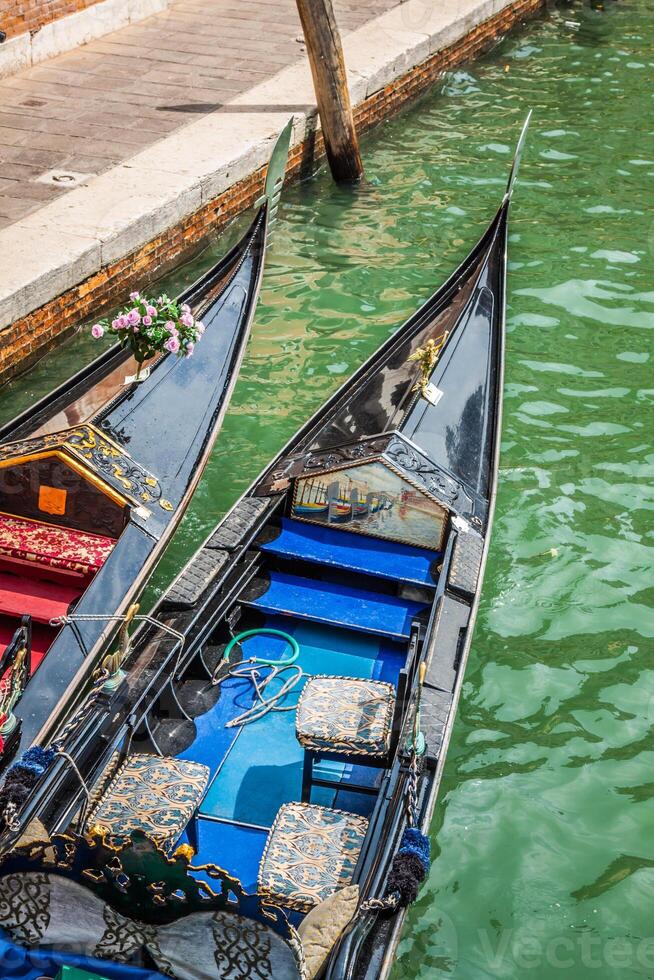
249, 670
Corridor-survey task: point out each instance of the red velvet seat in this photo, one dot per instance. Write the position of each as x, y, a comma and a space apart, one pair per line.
53, 547
43, 600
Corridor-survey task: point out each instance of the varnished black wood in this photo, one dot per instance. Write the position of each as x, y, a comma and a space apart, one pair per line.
449, 449
183, 398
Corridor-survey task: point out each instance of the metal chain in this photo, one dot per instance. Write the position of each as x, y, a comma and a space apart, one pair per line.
379, 904
391, 901
82, 711
412, 789
10, 816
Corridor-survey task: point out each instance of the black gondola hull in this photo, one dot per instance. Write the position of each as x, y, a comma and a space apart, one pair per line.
437, 447
167, 425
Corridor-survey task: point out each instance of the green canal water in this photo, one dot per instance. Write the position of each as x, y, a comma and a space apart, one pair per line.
542, 838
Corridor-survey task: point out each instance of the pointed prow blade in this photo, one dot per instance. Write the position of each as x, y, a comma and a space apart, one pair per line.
515, 166
275, 174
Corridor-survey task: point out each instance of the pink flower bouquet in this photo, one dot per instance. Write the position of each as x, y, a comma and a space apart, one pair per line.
149, 327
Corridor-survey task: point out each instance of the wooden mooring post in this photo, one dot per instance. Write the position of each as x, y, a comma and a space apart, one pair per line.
332, 94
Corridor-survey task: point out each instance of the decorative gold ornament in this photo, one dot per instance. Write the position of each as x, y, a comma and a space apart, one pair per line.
96, 457
427, 358
184, 851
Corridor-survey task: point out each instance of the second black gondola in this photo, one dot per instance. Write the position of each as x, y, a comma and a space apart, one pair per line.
274, 775
95, 478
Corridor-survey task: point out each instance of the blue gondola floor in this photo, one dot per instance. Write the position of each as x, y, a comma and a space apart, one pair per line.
258, 767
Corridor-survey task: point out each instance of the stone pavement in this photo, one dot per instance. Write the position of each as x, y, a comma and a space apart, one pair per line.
152, 197
91, 109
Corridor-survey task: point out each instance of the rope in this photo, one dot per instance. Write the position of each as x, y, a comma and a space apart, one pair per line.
26, 773
249, 671
83, 710
74, 619
23, 775
69, 759
80, 715
71, 620
263, 705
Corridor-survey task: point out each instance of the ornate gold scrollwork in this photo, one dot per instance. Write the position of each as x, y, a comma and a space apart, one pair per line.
92, 451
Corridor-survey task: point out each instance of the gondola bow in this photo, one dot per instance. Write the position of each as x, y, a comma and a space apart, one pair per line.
95, 478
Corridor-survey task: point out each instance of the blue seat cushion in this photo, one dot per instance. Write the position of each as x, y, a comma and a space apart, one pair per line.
335, 604
357, 553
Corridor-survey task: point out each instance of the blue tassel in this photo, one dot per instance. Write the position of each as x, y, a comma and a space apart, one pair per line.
34, 762
27, 767
414, 842
40, 757
410, 867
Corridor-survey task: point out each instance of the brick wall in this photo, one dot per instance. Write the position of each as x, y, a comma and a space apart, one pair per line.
19, 16
28, 339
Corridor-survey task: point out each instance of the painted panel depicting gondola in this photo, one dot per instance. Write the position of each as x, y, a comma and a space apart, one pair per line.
371, 499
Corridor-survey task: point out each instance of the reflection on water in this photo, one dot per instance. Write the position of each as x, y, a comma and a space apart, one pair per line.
542, 837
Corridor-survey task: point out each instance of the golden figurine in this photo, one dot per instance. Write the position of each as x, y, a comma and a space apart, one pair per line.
427, 358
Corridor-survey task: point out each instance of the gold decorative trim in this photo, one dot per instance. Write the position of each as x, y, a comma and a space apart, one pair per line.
73, 463
96, 457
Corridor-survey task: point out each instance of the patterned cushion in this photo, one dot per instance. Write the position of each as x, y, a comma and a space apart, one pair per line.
341, 714
311, 852
226, 946
56, 547
152, 794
